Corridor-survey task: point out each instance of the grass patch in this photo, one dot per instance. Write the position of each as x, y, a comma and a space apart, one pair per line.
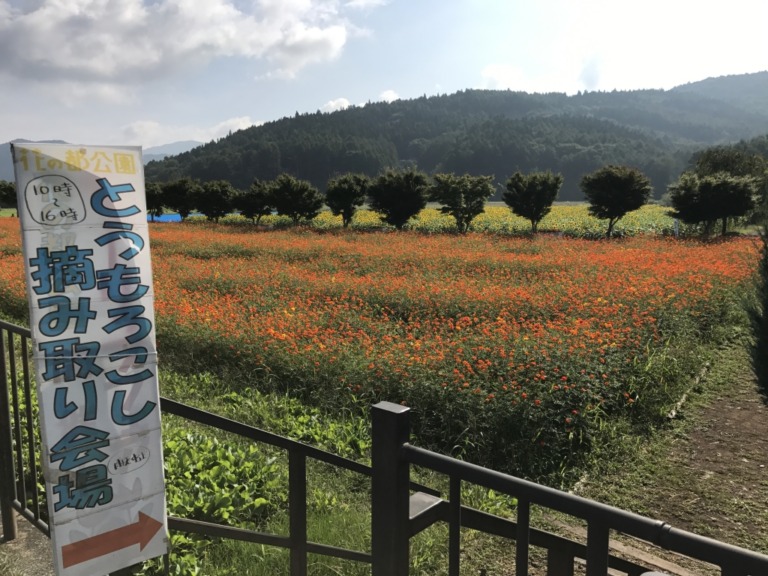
7, 561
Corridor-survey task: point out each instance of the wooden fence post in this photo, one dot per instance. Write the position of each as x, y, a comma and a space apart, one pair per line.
390, 534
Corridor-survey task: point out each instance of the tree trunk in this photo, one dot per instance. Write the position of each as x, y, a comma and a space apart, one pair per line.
725, 225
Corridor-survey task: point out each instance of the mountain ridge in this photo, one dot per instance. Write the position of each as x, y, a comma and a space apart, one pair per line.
492, 132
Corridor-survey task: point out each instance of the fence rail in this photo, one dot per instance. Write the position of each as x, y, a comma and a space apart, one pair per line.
400, 508
393, 455
298, 453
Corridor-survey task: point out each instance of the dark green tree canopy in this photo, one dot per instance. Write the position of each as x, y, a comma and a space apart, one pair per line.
729, 159
181, 195
724, 182
612, 191
7, 194
463, 197
686, 201
398, 195
254, 202
718, 196
295, 198
214, 199
531, 196
154, 194
344, 194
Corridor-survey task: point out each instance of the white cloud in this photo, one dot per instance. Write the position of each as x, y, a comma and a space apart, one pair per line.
120, 42
302, 45
590, 73
72, 94
502, 77
389, 96
231, 125
150, 133
336, 104
364, 4
510, 77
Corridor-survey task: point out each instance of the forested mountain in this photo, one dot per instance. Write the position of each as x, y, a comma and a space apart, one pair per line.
492, 132
749, 91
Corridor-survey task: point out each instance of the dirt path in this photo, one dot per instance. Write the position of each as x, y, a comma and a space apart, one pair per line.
708, 473
722, 489
29, 554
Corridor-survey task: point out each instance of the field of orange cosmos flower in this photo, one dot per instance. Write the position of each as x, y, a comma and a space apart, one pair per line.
511, 351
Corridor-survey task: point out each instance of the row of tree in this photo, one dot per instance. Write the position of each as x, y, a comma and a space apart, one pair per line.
398, 195
724, 183
721, 184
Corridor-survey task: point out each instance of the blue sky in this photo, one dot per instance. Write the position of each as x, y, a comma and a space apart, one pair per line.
150, 72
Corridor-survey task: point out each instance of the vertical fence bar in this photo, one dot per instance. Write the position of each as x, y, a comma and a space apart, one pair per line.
523, 537
597, 549
454, 527
297, 510
31, 426
390, 534
21, 489
8, 478
560, 560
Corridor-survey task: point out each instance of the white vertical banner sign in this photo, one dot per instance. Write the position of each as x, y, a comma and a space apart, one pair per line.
89, 285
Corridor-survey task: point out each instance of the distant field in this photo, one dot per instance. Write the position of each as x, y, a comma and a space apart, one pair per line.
571, 218
568, 218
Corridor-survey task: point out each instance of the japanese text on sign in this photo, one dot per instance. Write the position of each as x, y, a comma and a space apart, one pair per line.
86, 247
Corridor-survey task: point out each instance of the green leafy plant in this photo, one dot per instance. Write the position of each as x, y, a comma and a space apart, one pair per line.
215, 480
220, 481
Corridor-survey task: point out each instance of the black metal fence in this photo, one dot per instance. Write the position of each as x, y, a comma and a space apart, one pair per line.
400, 508
397, 515
19, 453
298, 453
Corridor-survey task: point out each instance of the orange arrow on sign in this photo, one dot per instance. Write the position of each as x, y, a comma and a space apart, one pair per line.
140, 532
